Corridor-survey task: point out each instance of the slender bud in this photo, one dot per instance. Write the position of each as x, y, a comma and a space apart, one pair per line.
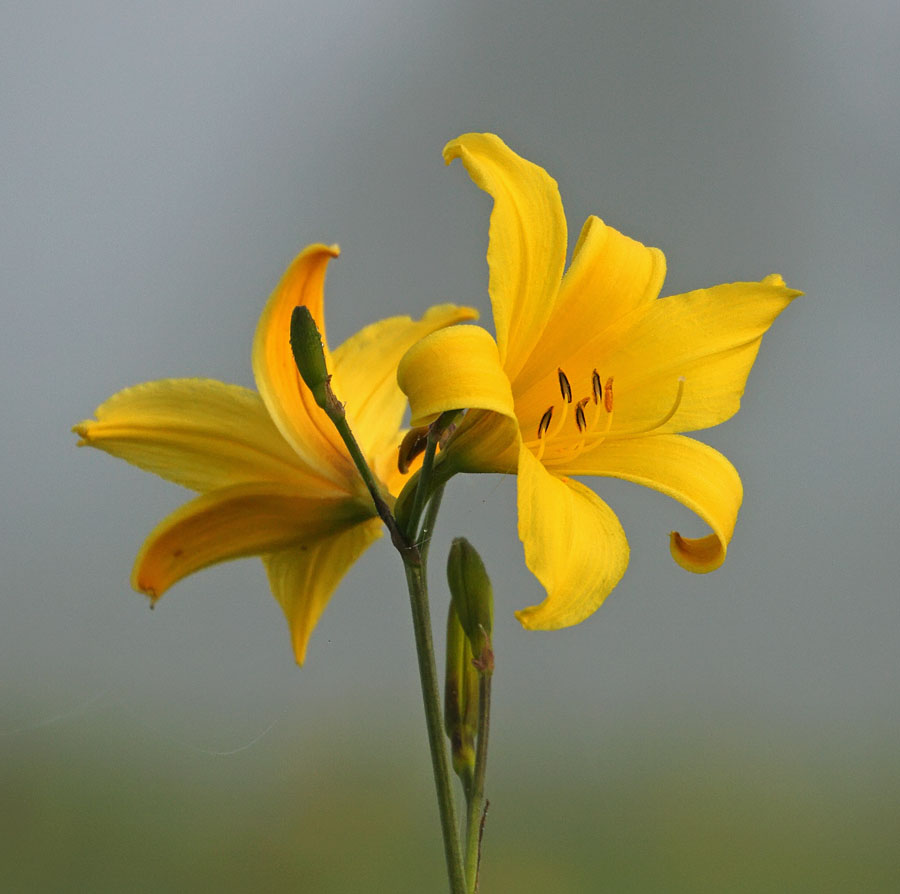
309, 355
460, 699
471, 592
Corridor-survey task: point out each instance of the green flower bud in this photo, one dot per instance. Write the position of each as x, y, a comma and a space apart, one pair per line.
309, 355
472, 595
460, 699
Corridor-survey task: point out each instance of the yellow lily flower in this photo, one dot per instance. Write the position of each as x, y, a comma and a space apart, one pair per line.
590, 374
274, 478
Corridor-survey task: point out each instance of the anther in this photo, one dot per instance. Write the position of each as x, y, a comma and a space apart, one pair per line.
413, 443
544, 424
564, 387
580, 421
608, 395
596, 386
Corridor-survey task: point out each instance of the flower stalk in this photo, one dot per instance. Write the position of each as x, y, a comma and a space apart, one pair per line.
306, 345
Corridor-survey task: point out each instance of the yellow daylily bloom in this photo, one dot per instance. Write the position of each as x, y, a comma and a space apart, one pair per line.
274, 478
590, 374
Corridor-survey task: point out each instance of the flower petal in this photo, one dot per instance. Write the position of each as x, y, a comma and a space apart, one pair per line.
688, 471
574, 544
364, 372
710, 337
610, 276
453, 369
527, 245
199, 433
304, 577
305, 427
236, 521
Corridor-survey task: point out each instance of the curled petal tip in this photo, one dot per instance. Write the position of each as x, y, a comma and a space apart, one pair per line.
700, 556
525, 617
82, 429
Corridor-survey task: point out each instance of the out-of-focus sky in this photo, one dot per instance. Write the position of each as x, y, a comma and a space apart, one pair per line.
162, 163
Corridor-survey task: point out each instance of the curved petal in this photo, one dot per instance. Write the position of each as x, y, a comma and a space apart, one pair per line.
364, 370
199, 433
574, 545
610, 276
689, 471
304, 425
527, 245
709, 337
453, 369
241, 520
303, 577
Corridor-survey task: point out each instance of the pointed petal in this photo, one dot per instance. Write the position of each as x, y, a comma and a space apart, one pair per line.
241, 520
710, 337
364, 372
610, 276
574, 544
199, 433
527, 245
453, 369
304, 577
305, 427
686, 470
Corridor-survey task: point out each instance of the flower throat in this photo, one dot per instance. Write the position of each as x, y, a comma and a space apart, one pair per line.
592, 423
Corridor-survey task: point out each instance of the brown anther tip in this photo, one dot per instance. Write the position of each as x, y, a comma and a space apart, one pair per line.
564, 387
596, 386
413, 443
544, 424
580, 421
608, 395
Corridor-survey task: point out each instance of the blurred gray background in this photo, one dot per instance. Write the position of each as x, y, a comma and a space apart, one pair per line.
162, 163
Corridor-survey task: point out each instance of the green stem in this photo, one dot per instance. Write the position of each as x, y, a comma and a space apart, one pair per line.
418, 599
475, 795
307, 347
423, 541
414, 555
335, 411
426, 473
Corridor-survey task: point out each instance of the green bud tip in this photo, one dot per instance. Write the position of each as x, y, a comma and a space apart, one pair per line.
309, 354
472, 594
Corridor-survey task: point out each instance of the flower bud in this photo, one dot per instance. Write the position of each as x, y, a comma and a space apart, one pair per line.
460, 699
472, 595
309, 354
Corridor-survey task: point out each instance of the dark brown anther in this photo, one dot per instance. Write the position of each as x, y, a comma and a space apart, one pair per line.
413, 443
608, 395
580, 421
564, 387
544, 424
596, 386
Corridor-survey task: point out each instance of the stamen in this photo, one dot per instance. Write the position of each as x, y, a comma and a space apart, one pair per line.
564, 447
672, 411
596, 386
544, 424
564, 387
580, 421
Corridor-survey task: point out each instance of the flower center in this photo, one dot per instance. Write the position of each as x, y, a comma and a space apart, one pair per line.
559, 441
